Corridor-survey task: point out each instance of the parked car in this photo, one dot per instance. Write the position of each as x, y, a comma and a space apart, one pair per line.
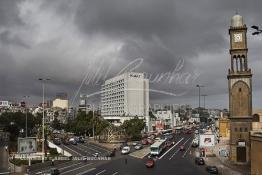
150, 141
138, 146
150, 163
66, 141
199, 161
144, 142
212, 169
134, 143
73, 141
125, 150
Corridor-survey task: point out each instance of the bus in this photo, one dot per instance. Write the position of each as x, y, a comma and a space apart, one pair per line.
157, 147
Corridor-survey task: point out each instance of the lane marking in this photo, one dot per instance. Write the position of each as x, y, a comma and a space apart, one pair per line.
174, 154
76, 168
101, 172
115, 173
47, 168
171, 148
91, 144
90, 148
5, 173
87, 171
178, 150
82, 149
187, 149
73, 151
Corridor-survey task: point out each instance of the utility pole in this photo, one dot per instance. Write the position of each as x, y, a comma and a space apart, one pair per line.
43, 80
199, 86
26, 116
204, 95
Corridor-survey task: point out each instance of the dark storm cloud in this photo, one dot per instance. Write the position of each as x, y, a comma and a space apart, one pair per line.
67, 39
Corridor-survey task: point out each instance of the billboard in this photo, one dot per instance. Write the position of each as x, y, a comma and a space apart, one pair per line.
27, 145
206, 140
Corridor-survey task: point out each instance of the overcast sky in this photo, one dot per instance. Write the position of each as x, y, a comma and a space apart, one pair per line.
81, 43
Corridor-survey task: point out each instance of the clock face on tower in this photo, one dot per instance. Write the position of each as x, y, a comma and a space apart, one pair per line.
238, 37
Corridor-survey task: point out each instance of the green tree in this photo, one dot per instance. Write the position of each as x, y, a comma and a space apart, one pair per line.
134, 127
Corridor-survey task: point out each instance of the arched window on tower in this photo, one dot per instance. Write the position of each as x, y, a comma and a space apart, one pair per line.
244, 62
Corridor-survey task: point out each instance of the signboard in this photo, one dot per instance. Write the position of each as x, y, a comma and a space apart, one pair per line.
242, 144
206, 140
27, 145
4, 104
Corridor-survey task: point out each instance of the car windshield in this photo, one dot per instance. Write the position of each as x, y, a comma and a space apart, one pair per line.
154, 149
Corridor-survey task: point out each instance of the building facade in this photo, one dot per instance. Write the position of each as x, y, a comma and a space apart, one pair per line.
125, 96
240, 93
256, 152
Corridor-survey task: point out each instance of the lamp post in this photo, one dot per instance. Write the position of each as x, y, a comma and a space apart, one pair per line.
26, 96
199, 86
204, 95
43, 80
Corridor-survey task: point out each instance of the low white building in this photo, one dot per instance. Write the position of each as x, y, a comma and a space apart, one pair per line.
60, 103
165, 119
125, 96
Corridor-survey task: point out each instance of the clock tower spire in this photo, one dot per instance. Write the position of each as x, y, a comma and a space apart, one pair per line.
240, 92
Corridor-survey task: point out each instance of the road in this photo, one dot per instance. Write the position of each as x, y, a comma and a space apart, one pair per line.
170, 162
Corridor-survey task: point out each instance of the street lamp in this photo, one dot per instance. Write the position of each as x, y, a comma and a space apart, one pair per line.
204, 95
199, 86
26, 96
43, 80
258, 30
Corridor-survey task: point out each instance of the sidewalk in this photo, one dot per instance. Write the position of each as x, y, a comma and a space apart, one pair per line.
222, 162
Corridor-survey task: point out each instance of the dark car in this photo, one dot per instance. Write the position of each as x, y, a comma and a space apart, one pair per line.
199, 161
81, 139
57, 141
212, 169
54, 171
111, 154
150, 163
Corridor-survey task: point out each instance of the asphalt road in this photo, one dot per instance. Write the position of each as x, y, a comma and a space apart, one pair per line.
173, 161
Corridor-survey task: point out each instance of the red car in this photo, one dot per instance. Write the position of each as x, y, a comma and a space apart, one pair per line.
150, 163
182, 148
150, 141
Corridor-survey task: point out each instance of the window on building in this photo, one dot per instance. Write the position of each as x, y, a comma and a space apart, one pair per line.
245, 129
241, 130
235, 129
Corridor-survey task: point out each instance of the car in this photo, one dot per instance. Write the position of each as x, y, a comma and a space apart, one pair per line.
150, 141
194, 145
54, 171
212, 169
182, 148
144, 142
111, 154
125, 150
57, 141
199, 161
66, 142
81, 139
138, 146
134, 143
150, 163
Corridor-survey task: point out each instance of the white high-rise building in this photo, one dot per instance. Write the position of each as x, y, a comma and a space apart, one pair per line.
125, 96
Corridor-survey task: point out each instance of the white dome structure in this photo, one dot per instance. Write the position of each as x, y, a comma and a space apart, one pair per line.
237, 21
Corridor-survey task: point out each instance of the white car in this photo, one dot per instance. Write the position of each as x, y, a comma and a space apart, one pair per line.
134, 143
125, 150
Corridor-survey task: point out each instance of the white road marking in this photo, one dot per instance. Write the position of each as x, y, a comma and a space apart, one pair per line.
101, 172
174, 154
73, 151
171, 148
99, 147
87, 171
82, 149
90, 148
69, 166
46, 170
76, 168
115, 173
187, 149
178, 150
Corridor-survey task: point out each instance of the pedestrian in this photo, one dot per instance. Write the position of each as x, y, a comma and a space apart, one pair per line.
53, 162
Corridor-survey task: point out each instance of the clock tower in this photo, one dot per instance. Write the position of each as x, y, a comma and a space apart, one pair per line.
240, 92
